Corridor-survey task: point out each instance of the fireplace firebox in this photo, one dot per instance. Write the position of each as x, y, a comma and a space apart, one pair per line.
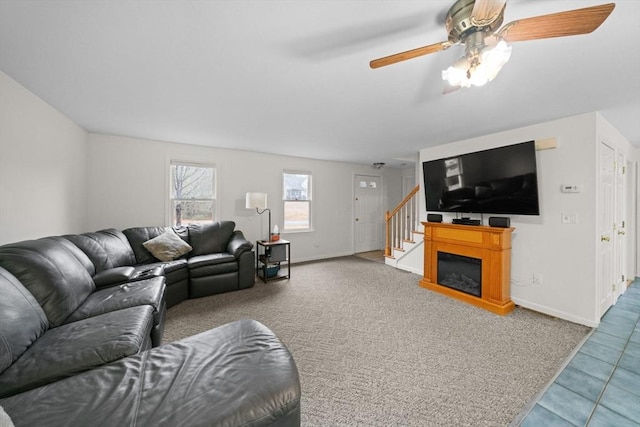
460, 272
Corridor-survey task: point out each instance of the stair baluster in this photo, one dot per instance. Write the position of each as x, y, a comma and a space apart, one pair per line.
401, 223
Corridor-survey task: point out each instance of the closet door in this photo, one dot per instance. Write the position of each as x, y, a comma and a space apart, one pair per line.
620, 234
606, 224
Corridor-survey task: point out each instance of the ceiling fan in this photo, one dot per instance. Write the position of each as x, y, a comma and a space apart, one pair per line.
476, 24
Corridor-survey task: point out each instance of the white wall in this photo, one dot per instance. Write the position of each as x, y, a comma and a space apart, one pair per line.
128, 181
43, 158
55, 178
561, 255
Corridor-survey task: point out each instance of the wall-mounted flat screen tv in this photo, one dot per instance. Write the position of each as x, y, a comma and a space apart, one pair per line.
500, 180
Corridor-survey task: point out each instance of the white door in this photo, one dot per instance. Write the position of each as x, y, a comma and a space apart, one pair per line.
606, 177
369, 219
620, 258
632, 216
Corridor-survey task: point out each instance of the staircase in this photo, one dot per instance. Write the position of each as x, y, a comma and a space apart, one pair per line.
404, 241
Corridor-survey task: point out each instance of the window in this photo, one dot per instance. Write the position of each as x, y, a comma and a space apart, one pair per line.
192, 193
297, 201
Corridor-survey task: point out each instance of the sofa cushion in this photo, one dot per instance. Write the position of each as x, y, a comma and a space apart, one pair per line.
213, 268
106, 249
138, 235
210, 259
212, 265
51, 272
73, 250
239, 374
167, 246
22, 320
79, 346
145, 292
210, 238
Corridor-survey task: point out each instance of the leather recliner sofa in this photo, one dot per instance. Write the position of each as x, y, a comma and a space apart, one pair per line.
79, 315
220, 259
236, 374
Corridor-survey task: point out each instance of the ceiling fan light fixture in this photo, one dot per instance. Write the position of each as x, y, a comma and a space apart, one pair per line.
487, 66
457, 74
493, 59
479, 76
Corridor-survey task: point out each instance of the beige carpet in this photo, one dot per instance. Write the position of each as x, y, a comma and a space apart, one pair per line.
375, 349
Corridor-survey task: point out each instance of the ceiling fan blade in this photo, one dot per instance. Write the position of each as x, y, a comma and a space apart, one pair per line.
486, 11
569, 23
414, 53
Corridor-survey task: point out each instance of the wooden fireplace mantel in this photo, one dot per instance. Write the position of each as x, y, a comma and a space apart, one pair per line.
492, 245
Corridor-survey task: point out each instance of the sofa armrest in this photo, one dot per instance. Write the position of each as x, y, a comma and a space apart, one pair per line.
147, 273
238, 244
113, 276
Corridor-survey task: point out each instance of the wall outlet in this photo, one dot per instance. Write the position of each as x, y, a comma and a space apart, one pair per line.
569, 218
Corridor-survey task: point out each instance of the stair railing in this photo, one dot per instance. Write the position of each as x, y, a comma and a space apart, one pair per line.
401, 222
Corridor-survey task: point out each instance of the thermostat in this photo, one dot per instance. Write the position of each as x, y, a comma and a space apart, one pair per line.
571, 188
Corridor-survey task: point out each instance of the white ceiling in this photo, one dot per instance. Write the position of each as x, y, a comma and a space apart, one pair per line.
293, 77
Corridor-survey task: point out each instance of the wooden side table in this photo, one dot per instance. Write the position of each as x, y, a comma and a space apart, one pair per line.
273, 261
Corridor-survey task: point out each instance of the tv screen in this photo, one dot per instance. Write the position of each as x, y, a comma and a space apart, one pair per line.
497, 181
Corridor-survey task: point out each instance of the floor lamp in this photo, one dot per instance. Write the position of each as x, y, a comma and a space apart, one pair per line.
259, 202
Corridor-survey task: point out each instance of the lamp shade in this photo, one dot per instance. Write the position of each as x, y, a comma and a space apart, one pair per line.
256, 201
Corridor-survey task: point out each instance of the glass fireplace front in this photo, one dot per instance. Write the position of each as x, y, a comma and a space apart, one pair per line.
460, 272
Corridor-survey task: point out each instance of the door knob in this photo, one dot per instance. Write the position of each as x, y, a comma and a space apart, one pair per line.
357, 219
621, 233
604, 238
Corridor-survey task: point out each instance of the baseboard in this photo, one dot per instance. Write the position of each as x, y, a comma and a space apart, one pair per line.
414, 270
555, 313
316, 258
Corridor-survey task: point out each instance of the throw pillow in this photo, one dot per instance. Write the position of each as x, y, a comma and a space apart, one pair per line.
167, 246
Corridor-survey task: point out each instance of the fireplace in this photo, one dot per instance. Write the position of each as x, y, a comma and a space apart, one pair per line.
460, 272
469, 263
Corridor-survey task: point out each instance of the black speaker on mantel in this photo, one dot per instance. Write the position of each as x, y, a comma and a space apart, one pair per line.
434, 218
499, 221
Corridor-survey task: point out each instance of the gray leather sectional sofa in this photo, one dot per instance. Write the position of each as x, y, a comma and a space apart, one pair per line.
81, 322
220, 259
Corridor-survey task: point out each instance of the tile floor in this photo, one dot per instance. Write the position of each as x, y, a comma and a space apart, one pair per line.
600, 385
